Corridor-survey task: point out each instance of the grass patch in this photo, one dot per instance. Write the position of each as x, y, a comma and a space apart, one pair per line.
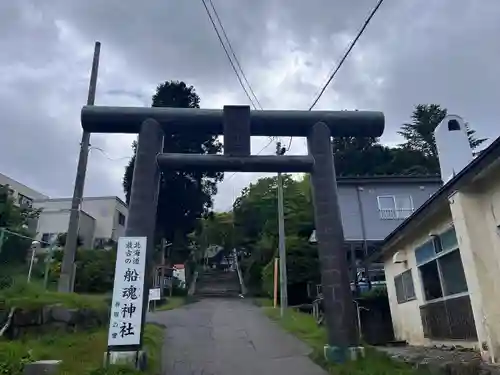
305, 328
263, 302
31, 296
81, 353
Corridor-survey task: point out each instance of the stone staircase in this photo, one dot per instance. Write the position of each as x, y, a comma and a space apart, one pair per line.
217, 283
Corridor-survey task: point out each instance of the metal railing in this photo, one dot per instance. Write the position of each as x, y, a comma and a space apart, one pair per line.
395, 213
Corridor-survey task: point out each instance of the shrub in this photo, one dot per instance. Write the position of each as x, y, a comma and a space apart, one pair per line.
95, 270
13, 358
268, 279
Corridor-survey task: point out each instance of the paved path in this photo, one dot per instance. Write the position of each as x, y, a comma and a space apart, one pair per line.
228, 337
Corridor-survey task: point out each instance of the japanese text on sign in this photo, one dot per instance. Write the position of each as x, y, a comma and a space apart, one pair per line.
126, 309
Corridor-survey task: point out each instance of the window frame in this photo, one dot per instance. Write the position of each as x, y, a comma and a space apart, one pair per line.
120, 215
405, 297
24, 200
439, 253
398, 212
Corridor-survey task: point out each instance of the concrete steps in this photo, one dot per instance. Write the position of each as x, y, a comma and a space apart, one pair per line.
218, 284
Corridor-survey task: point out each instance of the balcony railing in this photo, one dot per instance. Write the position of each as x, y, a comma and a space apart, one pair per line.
395, 213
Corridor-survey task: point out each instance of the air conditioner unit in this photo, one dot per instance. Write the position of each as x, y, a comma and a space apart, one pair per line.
399, 257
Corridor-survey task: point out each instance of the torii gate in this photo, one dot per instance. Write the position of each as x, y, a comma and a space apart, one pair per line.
238, 124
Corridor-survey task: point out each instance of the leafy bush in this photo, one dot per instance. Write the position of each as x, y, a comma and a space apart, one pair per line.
23, 295
95, 270
268, 279
15, 249
375, 293
13, 358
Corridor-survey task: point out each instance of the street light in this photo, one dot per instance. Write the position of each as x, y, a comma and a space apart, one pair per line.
312, 237
35, 245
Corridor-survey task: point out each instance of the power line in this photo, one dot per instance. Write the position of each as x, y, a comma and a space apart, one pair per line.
346, 54
227, 53
105, 154
353, 43
234, 55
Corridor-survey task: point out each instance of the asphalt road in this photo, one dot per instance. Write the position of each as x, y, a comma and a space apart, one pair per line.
229, 337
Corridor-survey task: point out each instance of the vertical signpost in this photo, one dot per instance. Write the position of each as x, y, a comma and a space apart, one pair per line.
125, 322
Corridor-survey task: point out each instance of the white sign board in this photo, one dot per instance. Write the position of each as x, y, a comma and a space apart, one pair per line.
155, 294
126, 309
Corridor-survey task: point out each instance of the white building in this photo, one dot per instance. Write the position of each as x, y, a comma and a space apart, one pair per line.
102, 219
22, 194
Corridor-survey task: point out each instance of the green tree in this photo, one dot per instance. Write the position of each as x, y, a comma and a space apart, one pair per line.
256, 227
184, 196
367, 157
15, 219
419, 133
217, 229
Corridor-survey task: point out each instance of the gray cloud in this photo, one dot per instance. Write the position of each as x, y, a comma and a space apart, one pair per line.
444, 52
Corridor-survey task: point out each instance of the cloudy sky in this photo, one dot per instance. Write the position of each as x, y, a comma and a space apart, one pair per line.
414, 51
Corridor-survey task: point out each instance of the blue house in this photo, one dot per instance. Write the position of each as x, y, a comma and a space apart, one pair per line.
372, 207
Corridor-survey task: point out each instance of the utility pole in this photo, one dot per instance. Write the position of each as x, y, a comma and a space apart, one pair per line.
67, 267
281, 238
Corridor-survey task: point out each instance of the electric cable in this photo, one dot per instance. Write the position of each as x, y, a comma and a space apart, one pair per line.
344, 57
227, 54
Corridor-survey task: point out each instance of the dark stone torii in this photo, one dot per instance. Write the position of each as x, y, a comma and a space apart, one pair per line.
238, 124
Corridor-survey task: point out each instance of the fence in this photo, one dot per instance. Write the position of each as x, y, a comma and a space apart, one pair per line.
375, 319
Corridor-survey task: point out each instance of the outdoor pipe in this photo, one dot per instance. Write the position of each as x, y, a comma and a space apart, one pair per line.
271, 123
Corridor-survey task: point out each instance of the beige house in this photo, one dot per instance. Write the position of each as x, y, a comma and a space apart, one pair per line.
442, 264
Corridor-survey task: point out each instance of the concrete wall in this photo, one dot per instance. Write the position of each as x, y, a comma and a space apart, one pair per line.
104, 210
476, 213
56, 221
406, 317
376, 227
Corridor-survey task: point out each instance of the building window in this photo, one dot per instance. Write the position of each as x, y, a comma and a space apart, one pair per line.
440, 266
121, 218
24, 201
392, 207
405, 290
47, 239
448, 313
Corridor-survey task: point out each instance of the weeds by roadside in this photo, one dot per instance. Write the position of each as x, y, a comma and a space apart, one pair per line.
23, 295
305, 328
81, 352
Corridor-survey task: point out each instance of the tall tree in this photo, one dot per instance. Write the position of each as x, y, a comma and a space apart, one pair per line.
366, 157
256, 226
184, 196
419, 134
16, 219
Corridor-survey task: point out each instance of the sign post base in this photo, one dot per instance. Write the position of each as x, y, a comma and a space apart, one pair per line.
137, 360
